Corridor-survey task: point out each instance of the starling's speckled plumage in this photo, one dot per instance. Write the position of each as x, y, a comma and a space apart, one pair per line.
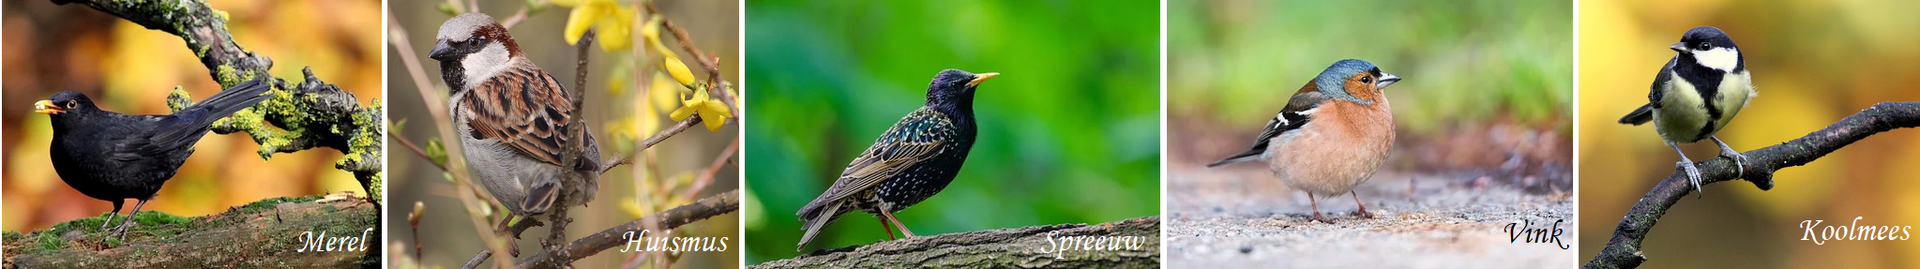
113, 157
912, 161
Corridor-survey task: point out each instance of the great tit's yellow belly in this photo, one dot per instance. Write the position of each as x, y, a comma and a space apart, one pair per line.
1682, 116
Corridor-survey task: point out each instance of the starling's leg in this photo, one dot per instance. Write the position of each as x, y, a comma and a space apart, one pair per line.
1363, 207
128, 222
884, 225
110, 214
1739, 161
1316, 209
896, 223
1693, 173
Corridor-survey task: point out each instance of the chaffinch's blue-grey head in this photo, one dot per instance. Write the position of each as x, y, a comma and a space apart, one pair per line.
1354, 80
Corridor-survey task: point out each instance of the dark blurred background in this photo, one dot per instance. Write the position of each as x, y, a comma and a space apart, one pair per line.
1069, 133
127, 68
1813, 62
625, 103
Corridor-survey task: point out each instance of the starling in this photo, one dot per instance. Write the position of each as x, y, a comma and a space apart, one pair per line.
113, 157
913, 160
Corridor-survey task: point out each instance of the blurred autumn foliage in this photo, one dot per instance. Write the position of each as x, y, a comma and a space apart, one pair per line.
129, 69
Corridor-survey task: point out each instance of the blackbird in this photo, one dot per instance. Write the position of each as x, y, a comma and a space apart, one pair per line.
112, 156
912, 161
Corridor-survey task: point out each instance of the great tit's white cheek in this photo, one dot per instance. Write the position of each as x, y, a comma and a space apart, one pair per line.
1723, 59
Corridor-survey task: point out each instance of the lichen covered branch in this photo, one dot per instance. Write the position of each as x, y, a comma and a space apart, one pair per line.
1623, 250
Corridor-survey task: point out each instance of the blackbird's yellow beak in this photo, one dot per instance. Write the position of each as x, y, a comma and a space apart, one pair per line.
47, 107
977, 78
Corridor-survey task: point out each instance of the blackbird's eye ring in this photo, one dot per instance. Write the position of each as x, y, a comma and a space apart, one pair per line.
72, 104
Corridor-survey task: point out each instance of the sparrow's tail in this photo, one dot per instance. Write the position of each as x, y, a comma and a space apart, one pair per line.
1248, 155
1639, 115
816, 215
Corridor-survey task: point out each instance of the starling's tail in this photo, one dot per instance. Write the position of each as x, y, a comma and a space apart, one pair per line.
816, 216
1639, 115
1241, 157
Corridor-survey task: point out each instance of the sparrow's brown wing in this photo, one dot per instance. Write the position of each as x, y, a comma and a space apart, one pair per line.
913, 140
524, 107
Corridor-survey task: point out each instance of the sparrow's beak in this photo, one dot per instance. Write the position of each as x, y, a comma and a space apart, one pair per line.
441, 51
977, 78
1386, 80
47, 107
1679, 46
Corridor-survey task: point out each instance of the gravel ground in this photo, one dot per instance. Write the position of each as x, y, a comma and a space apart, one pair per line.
1240, 217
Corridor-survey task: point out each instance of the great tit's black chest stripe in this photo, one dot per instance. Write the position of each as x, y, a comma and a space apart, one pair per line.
1705, 81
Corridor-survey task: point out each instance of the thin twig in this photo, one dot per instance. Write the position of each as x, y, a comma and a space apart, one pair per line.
715, 82
1623, 250
706, 177
710, 207
416, 149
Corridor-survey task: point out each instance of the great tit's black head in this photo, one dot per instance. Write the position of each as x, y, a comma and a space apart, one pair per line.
1710, 47
470, 45
63, 103
953, 86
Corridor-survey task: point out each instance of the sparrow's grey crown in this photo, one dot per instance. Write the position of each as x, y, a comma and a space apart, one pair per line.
461, 27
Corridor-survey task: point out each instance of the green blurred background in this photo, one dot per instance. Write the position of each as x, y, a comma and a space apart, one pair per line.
127, 68
1813, 62
626, 101
1069, 133
1484, 81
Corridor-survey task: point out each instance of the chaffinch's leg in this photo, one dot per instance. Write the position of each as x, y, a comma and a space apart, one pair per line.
1693, 173
1316, 209
1363, 207
1739, 160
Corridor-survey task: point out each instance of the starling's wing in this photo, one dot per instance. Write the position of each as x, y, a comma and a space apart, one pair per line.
525, 108
913, 140
1298, 111
1645, 113
183, 128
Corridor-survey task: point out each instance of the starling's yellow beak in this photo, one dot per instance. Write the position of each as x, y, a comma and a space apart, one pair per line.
977, 78
47, 107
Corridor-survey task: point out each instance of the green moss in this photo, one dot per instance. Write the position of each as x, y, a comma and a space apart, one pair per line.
270, 203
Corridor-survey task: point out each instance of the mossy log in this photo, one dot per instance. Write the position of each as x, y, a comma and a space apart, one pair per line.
269, 233
1024, 247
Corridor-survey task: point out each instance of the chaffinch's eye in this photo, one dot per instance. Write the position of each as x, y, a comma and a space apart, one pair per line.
1366, 79
72, 104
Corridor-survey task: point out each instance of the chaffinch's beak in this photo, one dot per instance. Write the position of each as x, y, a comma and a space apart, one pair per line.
977, 78
441, 51
1386, 80
47, 107
1679, 46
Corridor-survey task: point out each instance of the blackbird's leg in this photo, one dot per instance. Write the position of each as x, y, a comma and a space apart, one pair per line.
128, 222
110, 214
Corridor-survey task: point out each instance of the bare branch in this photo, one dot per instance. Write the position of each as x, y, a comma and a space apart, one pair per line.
1623, 250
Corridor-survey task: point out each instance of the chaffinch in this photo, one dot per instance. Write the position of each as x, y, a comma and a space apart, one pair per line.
1332, 135
1696, 94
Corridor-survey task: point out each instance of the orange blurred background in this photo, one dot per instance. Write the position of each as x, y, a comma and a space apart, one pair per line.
1813, 62
129, 69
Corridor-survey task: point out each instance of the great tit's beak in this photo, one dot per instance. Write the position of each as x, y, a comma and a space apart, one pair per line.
441, 51
1386, 80
1679, 46
977, 78
47, 107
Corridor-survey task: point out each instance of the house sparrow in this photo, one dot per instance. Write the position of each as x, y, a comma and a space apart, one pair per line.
512, 119
1332, 135
911, 162
112, 156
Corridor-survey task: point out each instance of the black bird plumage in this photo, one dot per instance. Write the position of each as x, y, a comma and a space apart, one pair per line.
113, 157
912, 161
